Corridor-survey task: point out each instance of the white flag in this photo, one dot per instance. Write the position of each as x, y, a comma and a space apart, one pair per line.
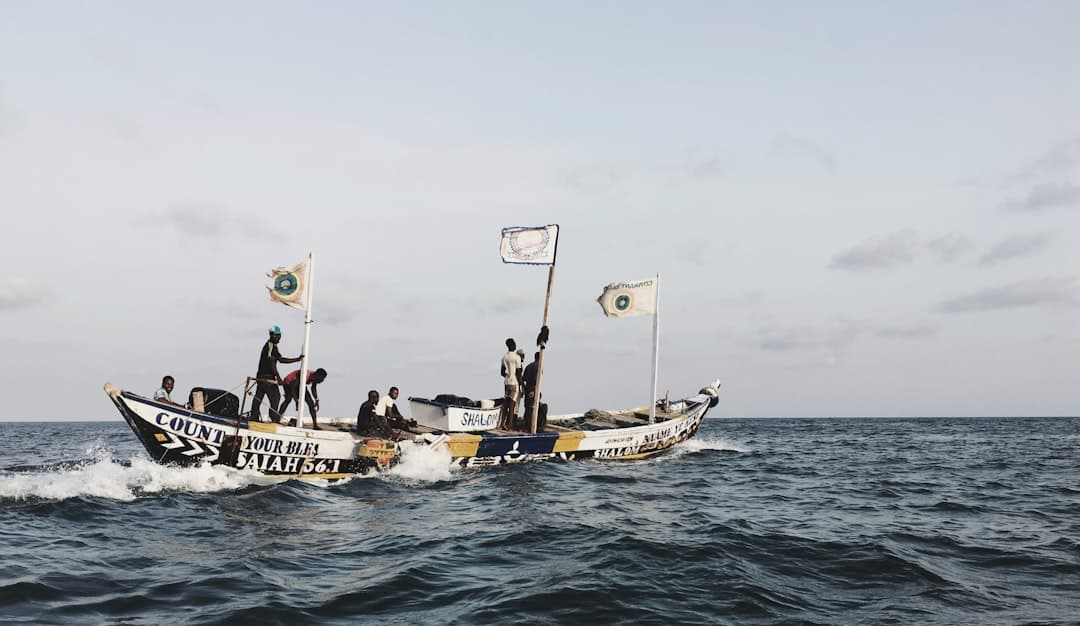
636, 297
289, 284
534, 245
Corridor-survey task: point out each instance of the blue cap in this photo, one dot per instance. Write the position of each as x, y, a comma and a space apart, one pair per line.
274, 330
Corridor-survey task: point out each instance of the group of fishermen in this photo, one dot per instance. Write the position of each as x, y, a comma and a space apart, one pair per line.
375, 417
519, 387
381, 418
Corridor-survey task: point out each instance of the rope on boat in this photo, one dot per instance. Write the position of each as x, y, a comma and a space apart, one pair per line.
225, 393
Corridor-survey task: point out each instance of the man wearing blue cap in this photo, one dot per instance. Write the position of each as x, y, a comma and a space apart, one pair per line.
267, 378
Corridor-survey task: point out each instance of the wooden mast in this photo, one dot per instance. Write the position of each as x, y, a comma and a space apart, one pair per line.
540, 360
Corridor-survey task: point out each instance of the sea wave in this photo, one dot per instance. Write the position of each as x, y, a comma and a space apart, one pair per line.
112, 479
752, 522
704, 443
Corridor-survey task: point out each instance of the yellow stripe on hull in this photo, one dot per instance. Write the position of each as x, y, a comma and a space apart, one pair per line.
463, 445
568, 442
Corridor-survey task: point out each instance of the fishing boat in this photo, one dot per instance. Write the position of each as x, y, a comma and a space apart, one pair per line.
213, 428
186, 437
475, 433
473, 438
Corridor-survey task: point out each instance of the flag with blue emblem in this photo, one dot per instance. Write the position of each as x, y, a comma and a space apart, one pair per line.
288, 284
636, 297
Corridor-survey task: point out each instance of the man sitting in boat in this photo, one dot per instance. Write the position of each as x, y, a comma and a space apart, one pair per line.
388, 409
291, 386
163, 395
368, 422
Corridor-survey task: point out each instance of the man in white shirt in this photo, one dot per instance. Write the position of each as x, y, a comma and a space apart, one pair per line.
163, 395
511, 373
386, 406
389, 410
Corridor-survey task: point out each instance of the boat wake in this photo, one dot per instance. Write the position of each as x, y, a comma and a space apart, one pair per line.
701, 444
105, 477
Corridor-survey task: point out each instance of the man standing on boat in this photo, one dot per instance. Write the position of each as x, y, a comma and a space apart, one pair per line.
529, 381
267, 378
511, 373
291, 386
521, 383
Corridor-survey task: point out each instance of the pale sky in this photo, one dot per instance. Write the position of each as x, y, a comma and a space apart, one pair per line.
856, 209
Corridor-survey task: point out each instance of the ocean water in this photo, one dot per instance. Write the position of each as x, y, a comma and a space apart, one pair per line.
816, 521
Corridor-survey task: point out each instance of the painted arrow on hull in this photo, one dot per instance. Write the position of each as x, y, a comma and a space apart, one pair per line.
175, 442
195, 450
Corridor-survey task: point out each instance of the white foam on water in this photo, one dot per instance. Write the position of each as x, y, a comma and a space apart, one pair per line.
423, 463
699, 444
104, 478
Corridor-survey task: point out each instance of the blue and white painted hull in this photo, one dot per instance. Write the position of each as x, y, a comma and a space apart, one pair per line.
629, 435
175, 435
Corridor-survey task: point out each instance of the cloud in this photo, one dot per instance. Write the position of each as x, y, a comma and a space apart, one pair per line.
590, 182
704, 169
125, 128
1016, 246
211, 222
227, 309
949, 247
701, 165
696, 252
833, 340
1045, 292
334, 314
785, 144
877, 252
510, 305
1059, 160
1046, 196
10, 118
747, 297
198, 221
908, 332
20, 293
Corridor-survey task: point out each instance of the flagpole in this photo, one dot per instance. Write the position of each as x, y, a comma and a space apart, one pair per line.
540, 360
302, 392
655, 349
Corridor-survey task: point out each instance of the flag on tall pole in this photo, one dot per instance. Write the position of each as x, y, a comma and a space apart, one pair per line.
532, 245
626, 299
637, 297
291, 286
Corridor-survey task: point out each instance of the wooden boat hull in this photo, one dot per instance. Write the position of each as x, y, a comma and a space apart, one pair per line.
174, 435
623, 442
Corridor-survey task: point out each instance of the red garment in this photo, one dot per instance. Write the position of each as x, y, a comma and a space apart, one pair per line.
293, 377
